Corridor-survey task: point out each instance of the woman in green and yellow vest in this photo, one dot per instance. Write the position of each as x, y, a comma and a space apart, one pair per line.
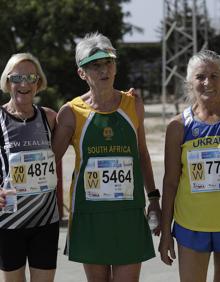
108, 229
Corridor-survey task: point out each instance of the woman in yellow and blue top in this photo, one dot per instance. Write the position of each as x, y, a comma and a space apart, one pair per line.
108, 231
191, 192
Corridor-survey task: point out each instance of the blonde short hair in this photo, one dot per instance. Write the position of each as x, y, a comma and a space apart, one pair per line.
16, 59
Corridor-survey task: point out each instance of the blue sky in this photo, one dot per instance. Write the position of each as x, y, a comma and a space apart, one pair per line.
149, 13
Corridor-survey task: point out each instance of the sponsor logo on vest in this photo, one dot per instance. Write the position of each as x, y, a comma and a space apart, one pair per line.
109, 149
108, 133
206, 141
198, 186
195, 132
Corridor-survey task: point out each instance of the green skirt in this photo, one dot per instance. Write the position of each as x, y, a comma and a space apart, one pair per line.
120, 237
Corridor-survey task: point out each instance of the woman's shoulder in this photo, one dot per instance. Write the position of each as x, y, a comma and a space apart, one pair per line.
175, 128
49, 112
79, 102
176, 121
50, 116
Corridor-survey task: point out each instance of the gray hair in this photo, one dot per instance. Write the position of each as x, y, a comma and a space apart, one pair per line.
201, 56
90, 44
16, 59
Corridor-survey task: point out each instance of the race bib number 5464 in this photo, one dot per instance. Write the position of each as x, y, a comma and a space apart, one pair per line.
109, 178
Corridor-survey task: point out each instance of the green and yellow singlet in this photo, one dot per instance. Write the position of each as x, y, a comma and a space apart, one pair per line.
107, 174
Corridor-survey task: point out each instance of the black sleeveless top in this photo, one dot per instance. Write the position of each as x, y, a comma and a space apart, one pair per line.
17, 135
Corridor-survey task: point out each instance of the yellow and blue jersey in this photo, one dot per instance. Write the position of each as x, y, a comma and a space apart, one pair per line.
198, 196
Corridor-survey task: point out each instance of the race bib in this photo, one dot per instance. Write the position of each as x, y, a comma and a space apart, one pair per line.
109, 179
204, 170
33, 172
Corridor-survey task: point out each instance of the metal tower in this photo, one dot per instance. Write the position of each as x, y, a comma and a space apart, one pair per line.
215, 16
185, 31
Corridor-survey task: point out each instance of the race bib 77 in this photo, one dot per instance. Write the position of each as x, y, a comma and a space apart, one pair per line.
204, 170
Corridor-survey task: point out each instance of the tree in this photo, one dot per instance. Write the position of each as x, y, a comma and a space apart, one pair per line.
50, 29
142, 65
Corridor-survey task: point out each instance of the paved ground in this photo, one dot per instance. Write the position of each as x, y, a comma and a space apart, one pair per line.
153, 270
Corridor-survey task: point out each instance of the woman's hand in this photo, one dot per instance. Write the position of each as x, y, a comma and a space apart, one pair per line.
2, 198
155, 206
166, 249
133, 92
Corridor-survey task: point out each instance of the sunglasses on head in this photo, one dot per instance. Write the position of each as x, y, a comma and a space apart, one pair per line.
18, 78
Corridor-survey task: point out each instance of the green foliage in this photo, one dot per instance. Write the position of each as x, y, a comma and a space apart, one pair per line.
214, 43
50, 29
141, 62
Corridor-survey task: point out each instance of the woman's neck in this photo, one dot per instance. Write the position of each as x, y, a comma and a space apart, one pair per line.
21, 111
207, 113
105, 101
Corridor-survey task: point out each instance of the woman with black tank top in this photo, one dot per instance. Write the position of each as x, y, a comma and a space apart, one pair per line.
29, 219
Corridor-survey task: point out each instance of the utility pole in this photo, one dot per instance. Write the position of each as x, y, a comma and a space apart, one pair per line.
185, 31
215, 16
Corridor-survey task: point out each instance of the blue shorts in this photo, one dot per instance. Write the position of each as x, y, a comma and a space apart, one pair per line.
196, 240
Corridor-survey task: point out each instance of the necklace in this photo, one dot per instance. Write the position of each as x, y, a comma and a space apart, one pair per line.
21, 116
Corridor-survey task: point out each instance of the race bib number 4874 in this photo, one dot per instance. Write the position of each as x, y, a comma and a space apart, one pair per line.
33, 172
109, 179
